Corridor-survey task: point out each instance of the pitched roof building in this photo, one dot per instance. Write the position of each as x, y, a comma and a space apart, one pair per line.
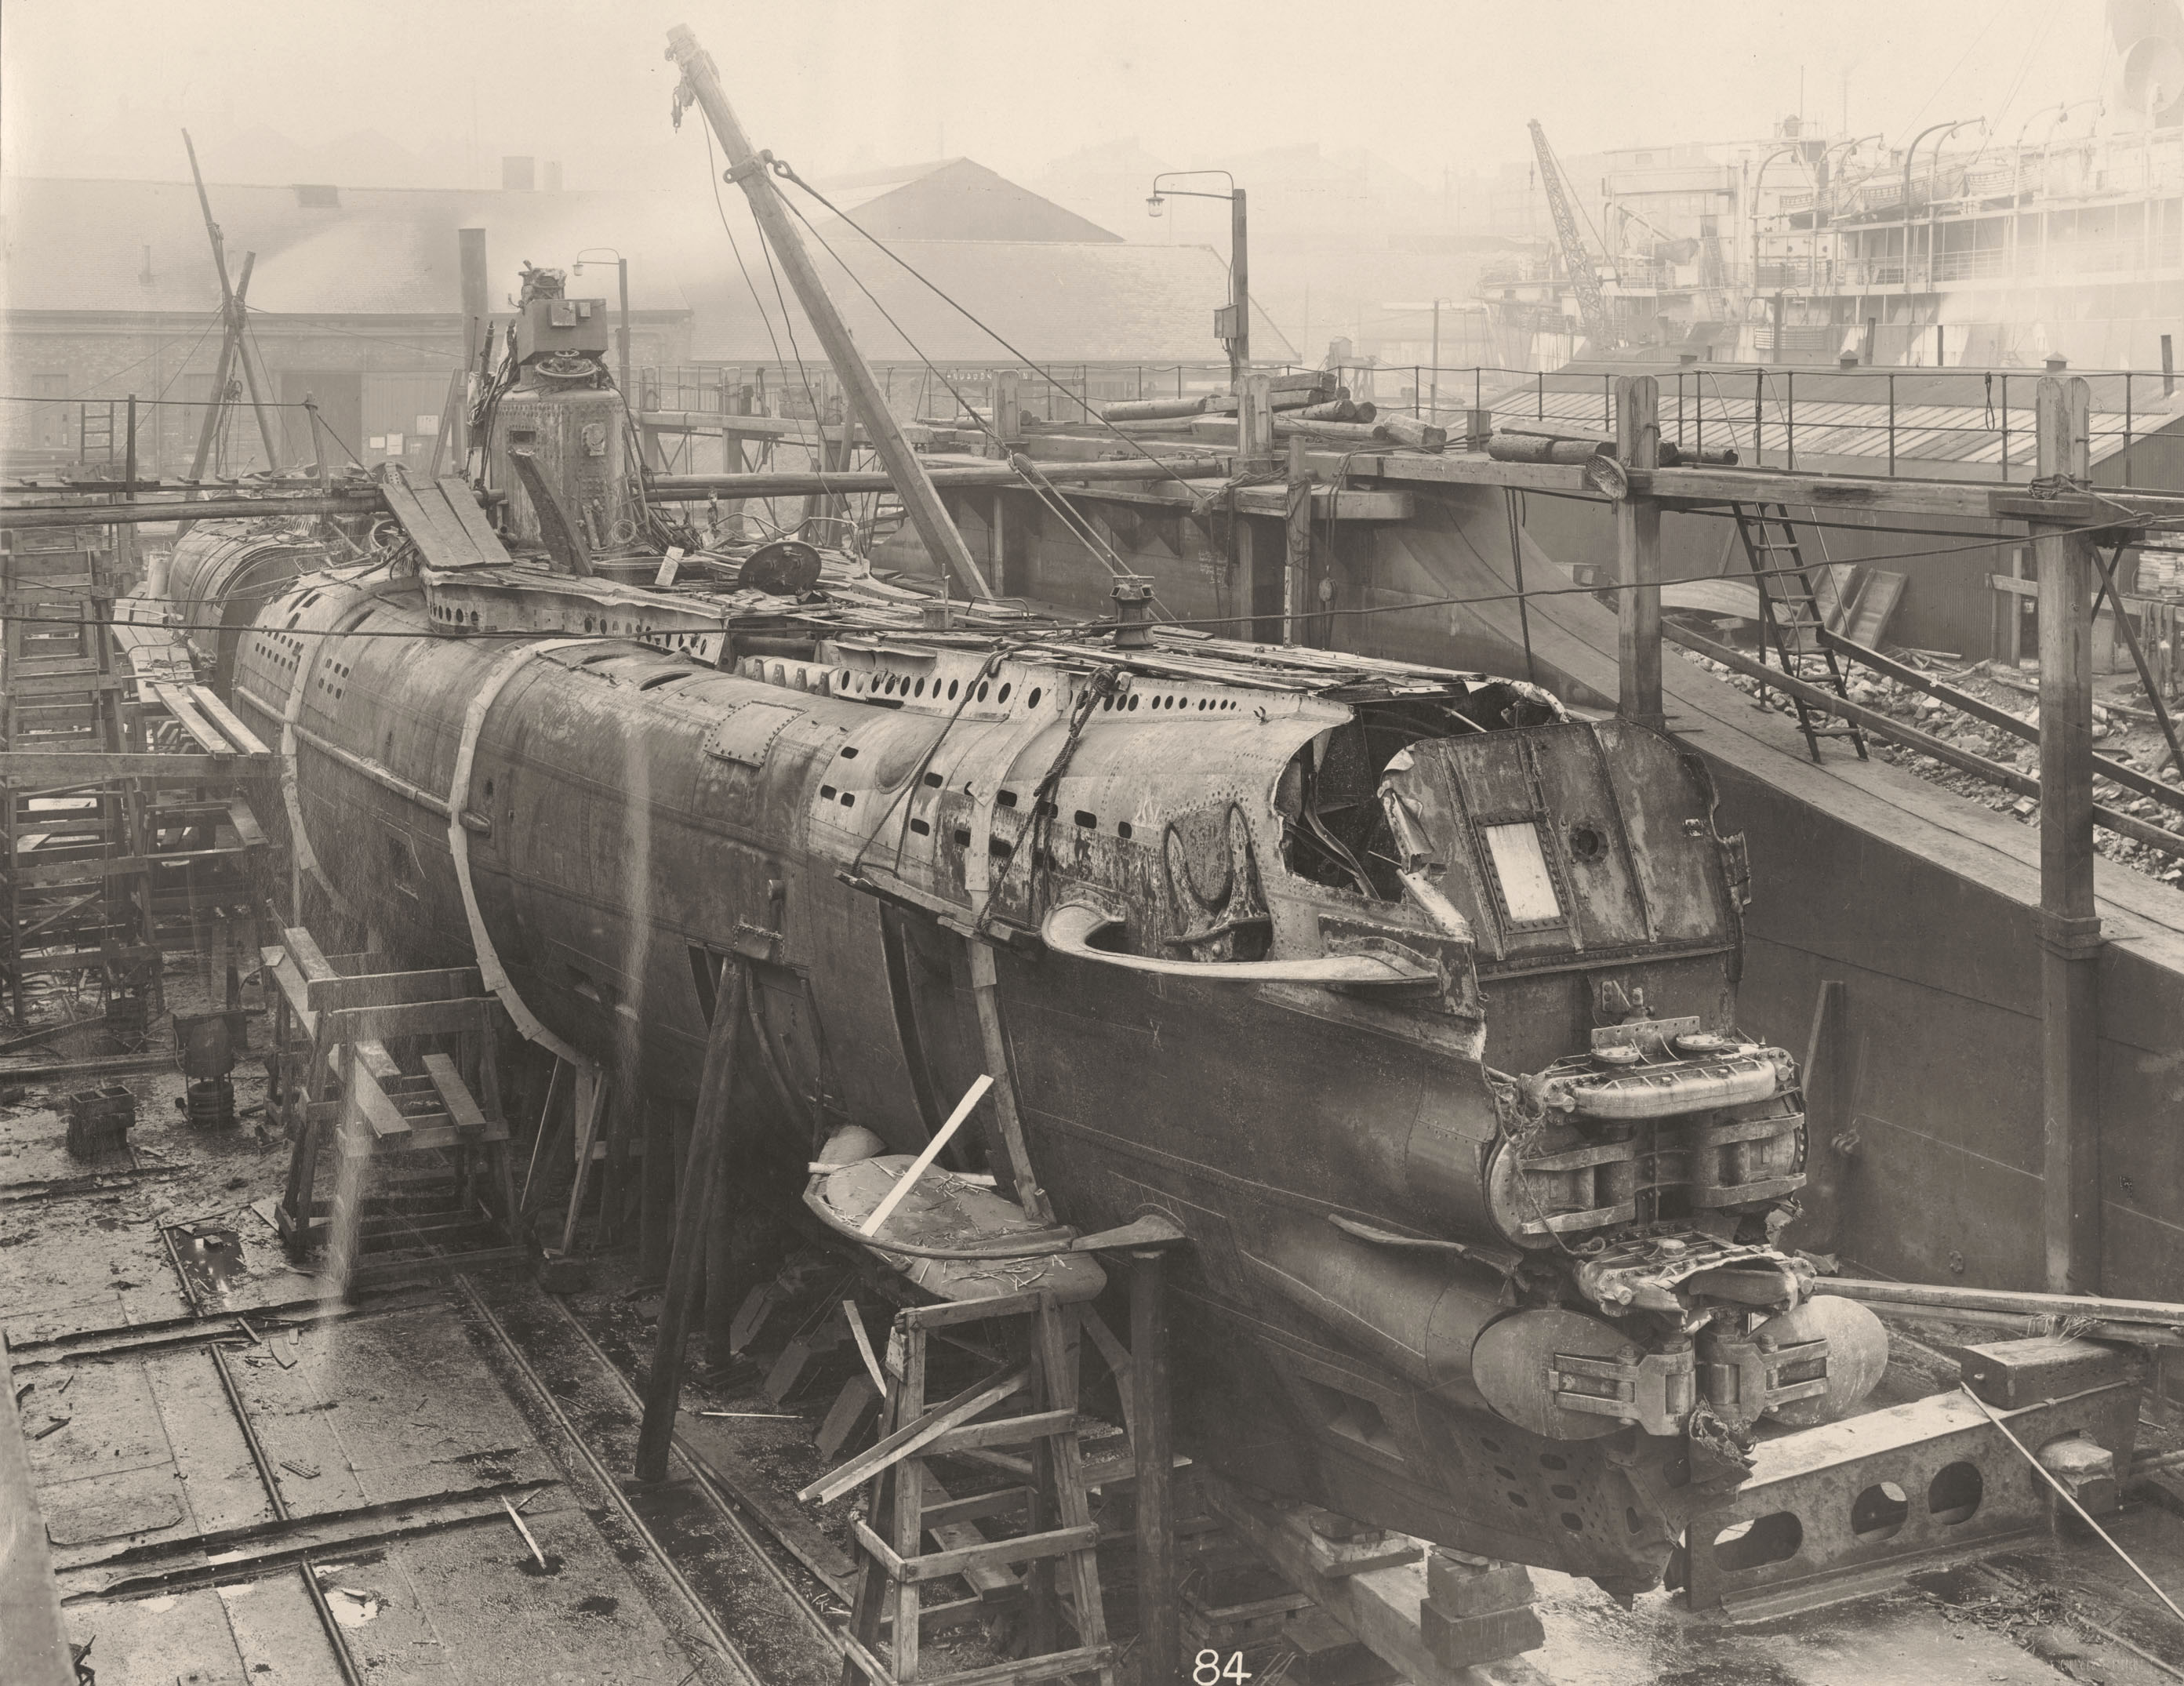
109, 288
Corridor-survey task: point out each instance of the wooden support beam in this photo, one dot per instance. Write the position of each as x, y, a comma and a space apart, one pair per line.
2070, 930
392, 989
1638, 554
936, 1566
39, 517
51, 769
1160, 1613
1297, 569
916, 1435
694, 1213
1383, 1608
1255, 424
995, 1043
416, 1018
1007, 418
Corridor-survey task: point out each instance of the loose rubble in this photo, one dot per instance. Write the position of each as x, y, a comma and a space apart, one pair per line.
2135, 742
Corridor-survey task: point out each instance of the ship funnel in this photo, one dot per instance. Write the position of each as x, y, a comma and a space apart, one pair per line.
2149, 78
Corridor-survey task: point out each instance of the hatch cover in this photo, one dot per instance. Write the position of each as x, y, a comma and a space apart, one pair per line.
746, 735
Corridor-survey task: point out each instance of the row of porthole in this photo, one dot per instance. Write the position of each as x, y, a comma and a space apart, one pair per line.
912, 686
1128, 702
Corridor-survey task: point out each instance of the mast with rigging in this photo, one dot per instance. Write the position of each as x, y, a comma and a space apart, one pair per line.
752, 170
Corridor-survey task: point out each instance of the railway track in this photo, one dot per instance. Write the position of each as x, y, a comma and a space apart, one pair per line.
761, 1547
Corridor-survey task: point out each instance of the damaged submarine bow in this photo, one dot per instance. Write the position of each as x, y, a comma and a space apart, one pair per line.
1409, 998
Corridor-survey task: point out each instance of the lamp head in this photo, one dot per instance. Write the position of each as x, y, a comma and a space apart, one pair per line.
1155, 205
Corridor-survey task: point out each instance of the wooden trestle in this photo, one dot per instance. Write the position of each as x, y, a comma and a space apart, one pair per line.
337, 1081
1059, 1534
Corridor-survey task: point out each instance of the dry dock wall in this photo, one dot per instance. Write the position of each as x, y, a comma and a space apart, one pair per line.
1926, 1098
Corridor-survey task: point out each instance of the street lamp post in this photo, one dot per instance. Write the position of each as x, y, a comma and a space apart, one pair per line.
1233, 324
621, 333
1433, 404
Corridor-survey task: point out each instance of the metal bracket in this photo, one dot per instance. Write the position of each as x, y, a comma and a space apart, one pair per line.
1742, 1378
1657, 1391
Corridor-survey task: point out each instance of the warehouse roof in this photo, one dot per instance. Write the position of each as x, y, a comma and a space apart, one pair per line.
1058, 288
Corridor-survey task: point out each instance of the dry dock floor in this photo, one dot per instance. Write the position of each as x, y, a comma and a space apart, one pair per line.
398, 1429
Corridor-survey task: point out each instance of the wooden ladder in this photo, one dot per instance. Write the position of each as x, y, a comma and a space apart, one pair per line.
333, 1017
1791, 617
1061, 1533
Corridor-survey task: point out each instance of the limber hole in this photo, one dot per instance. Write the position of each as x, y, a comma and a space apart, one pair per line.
1955, 1493
1774, 1538
1878, 1513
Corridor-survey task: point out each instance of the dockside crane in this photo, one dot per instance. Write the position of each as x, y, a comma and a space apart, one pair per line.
1591, 303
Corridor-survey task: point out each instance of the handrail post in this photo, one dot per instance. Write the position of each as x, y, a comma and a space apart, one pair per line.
2070, 925
1891, 424
1637, 399
2126, 439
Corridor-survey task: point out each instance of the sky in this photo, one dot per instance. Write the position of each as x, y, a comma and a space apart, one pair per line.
101, 87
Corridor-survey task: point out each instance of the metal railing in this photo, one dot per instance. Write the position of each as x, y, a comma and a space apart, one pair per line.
1949, 423
1065, 391
1904, 422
